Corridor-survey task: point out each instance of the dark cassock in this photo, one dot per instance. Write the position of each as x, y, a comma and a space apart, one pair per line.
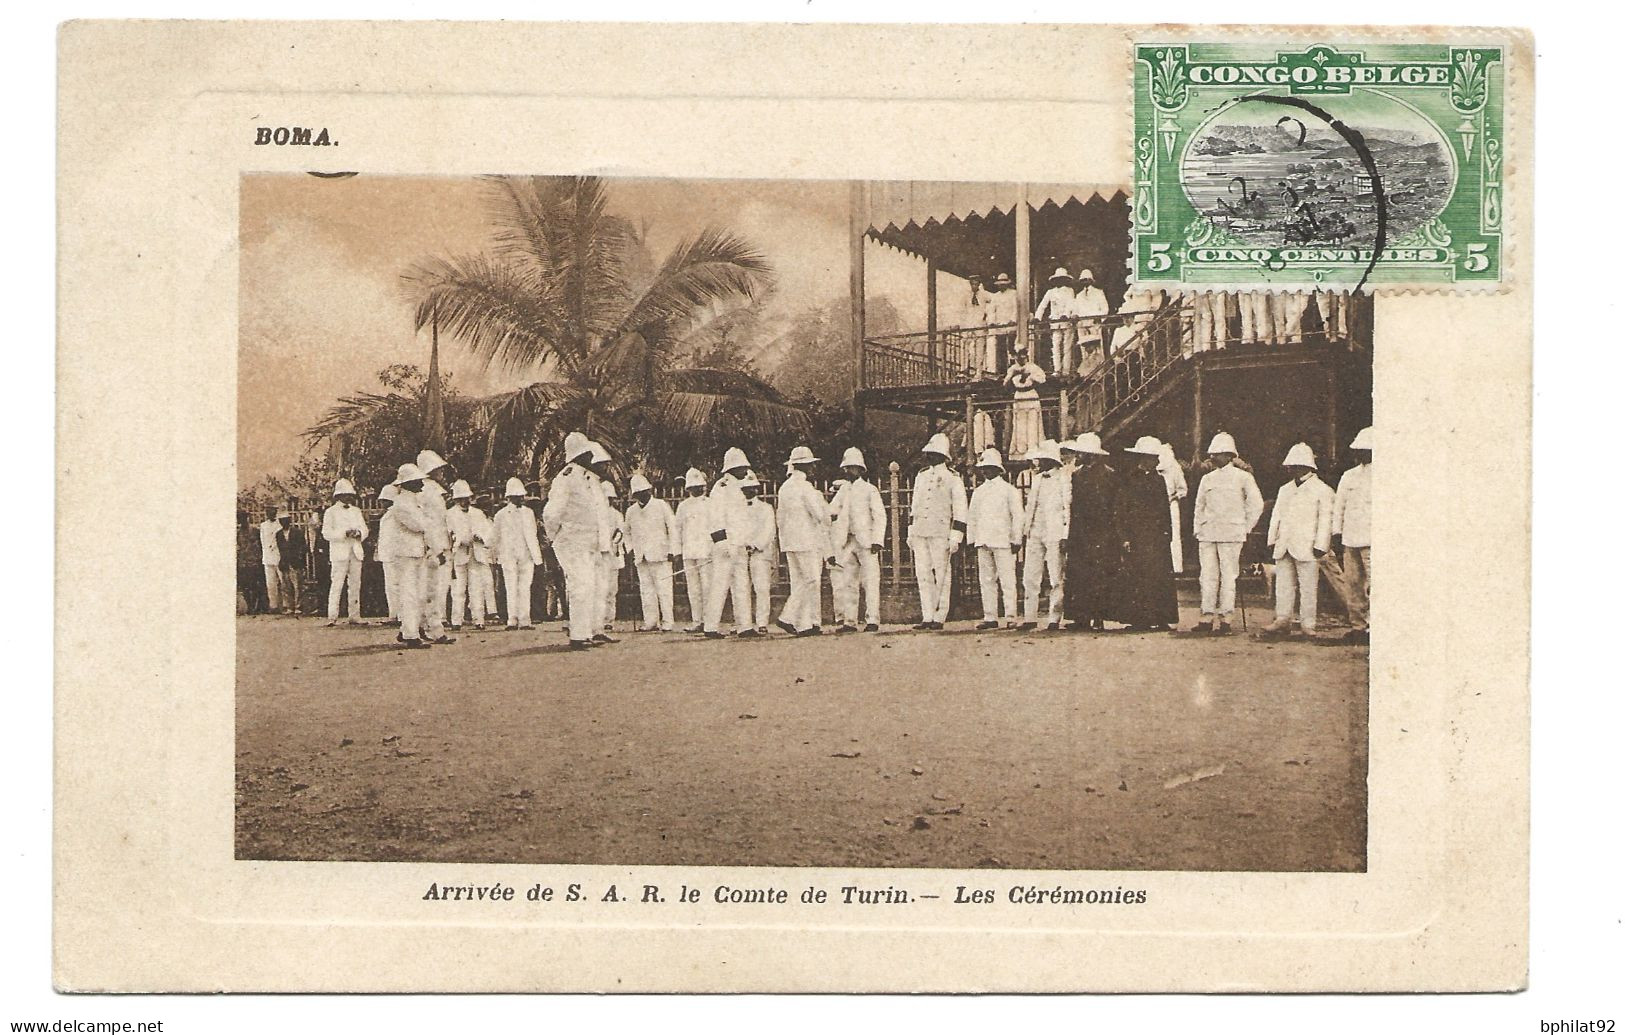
1143, 592
1092, 544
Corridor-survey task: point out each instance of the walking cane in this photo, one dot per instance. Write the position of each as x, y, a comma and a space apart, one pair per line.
1241, 601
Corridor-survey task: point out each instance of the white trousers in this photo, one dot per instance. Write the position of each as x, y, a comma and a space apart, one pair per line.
470, 591
934, 574
610, 581
517, 575
344, 571
1357, 584
1295, 579
762, 569
697, 577
996, 572
805, 607
730, 578
1062, 338
654, 589
843, 586
1176, 545
1221, 563
409, 590
436, 592
392, 593
583, 568
273, 587
1043, 558
860, 571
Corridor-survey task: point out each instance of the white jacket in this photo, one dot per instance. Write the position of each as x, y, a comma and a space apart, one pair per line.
515, 535
651, 530
1301, 522
481, 536
436, 533
1090, 301
727, 511
1000, 306
761, 525
694, 527
1049, 507
574, 513
996, 514
1056, 304
803, 516
1351, 516
401, 535
270, 552
337, 520
937, 505
862, 515
1228, 505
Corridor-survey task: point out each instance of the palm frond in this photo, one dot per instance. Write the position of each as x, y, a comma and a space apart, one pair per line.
504, 317
712, 267
354, 413
692, 399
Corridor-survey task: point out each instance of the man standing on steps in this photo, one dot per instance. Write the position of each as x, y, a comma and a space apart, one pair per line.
993, 529
1228, 505
761, 550
517, 552
1045, 528
345, 529
574, 522
437, 536
730, 569
936, 528
860, 534
804, 536
651, 538
1089, 305
694, 528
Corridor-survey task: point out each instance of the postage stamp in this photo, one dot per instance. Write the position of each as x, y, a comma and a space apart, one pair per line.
1320, 166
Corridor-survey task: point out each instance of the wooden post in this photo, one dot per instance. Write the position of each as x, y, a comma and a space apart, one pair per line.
857, 227
1196, 406
1024, 269
1063, 417
970, 431
1332, 406
931, 316
894, 503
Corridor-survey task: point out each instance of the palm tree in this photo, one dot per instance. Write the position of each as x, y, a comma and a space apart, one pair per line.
557, 294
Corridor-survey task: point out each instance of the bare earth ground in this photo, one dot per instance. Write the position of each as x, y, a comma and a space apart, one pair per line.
958, 749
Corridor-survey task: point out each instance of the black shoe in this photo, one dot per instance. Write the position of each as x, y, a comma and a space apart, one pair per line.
1357, 636
444, 639
712, 634
414, 645
1027, 627
747, 632
1053, 627
786, 626
923, 626
937, 626
814, 631
985, 626
605, 638
580, 645
871, 628
399, 638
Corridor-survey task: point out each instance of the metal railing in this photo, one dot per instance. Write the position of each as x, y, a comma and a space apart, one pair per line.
957, 355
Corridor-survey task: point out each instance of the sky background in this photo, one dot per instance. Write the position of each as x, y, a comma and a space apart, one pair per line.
323, 306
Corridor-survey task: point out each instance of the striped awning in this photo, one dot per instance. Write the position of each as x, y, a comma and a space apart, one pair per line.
897, 203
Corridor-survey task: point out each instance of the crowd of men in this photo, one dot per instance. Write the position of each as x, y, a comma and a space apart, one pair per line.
1099, 532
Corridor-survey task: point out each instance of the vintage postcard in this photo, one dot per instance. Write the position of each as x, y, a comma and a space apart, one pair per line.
833, 524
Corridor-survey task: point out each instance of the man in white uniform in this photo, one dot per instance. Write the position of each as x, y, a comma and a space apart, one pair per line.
1351, 531
437, 536
1300, 534
1044, 528
804, 536
995, 518
936, 528
271, 559
1000, 313
651, 536
481, 592
518, 553
861, 534
1056, 309
344, 528
694, 528
1228, 505
574, 522
730, 568
385, 553
1173, 476
403, 529
761, 550
460, 526
841, 585
1089, 305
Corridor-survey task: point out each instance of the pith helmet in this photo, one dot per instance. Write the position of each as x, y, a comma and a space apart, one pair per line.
990, 458
342, 487
408, 473
1362, 440
694, 479
801, 455
609, 490
938, 444
515, 487
1148, 445
853, 457
1222, 443
639, 484
1088, 442
1300, 455
734, 457
1060, 274
461, 491
429, 460
388, 492
575, 443
1045, 450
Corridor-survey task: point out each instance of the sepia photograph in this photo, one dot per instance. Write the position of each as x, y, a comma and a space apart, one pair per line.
794, 523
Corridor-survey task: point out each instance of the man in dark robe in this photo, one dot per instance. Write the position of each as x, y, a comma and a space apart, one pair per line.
1143, 592
1092, 540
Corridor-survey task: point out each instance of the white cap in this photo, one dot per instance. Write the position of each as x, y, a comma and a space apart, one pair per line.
1148, 445
639, 484
609, 490
990, 458
1300, 455
408, 473
388, 492
1086, 275
342, 487
599, 453
515, 487
575, 443
428, 460
461, 491
1088, 442
1222, 443
694, 478
1060, 274
734, 457
800, 455
853, 457
938, 444
1362, 440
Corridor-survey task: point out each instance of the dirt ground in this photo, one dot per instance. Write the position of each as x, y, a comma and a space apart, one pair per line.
955, 749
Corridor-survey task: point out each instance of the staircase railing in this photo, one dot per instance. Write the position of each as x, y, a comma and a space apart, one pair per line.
1134, 368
